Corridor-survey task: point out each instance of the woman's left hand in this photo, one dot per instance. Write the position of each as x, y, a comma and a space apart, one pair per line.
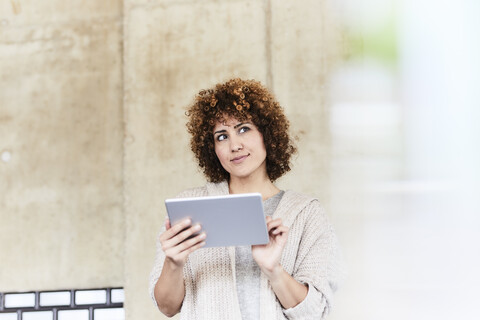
268, 255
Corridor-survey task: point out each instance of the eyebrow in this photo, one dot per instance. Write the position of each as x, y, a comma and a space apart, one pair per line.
219, 131
234, 127
240, 124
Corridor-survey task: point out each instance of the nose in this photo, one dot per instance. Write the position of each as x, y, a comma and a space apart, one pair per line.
236, 144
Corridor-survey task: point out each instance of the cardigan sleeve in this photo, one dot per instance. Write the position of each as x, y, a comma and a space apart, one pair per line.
157, 267
312, 307
317, 264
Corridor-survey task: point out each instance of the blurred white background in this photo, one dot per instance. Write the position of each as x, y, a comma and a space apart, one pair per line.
406, 159
90, 143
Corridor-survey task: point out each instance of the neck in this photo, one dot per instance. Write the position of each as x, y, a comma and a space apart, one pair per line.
262, 184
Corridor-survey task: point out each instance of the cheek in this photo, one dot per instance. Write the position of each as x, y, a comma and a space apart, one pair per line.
219, 152
261, 143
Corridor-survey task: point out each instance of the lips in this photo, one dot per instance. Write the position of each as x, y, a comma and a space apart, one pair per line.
239, 159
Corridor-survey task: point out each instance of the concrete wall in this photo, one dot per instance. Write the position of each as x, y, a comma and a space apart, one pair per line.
77, 147
175, 48
61, 132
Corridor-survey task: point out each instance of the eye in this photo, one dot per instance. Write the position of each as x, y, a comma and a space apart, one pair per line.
221, 137
244, 129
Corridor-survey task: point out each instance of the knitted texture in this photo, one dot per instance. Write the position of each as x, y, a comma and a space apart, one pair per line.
248, 272
310, 255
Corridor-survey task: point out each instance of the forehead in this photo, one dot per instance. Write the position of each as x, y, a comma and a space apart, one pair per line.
227, 122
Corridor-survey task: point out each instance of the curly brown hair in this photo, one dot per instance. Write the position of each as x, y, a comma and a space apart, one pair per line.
242, 100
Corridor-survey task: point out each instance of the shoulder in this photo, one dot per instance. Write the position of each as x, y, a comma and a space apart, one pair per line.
292, 195
301, 202
192, 192
291, 206
300, 206
209, 189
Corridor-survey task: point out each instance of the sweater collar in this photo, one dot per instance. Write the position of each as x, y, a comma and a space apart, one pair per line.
290, 205
217, 189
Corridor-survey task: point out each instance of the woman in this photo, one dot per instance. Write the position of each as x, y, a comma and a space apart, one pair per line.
240, 139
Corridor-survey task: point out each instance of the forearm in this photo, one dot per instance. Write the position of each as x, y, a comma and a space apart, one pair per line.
170, 289
289, 291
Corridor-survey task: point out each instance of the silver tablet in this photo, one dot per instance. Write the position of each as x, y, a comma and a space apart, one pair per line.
232, 220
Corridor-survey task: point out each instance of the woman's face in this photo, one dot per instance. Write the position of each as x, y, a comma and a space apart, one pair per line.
240, 148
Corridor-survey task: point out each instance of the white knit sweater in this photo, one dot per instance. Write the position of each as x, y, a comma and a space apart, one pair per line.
311, 256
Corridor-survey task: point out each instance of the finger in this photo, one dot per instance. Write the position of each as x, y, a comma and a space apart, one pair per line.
274, 224
174, 230
181, 237
277, 221
167, 224
280, 229
188, 244
174, 250
185, 253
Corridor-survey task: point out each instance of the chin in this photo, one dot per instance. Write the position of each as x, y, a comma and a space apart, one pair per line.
240, 175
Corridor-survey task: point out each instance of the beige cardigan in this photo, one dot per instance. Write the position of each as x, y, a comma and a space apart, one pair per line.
311, 256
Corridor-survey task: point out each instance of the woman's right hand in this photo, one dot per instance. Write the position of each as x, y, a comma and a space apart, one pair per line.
175, 244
